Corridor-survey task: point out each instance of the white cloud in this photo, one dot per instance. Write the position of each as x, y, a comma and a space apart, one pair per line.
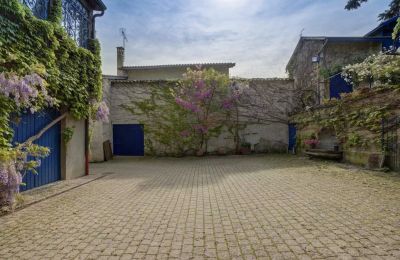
259, 35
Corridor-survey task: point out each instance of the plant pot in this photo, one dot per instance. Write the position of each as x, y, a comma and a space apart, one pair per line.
221, 151
200, 152
245, 150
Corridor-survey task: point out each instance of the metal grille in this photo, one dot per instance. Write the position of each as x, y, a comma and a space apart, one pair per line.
391, 142
76, 21
40, 8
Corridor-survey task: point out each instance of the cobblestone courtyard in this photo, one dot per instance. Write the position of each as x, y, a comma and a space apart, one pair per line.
256, 207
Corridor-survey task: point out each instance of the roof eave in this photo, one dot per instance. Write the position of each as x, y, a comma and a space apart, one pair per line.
151, 67
382, 24
298, 46
98, 5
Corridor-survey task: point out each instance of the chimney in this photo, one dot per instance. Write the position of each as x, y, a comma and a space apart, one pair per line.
120, 60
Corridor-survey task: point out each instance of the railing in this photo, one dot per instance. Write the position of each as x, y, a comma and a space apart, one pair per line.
40, 8
76, 21
391, 142
76, 17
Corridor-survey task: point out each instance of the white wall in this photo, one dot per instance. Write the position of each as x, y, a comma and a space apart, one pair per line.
73, 152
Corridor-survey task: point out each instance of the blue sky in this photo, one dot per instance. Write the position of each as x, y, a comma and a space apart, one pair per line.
259, 35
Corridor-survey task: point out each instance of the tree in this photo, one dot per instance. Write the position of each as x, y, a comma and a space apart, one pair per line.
393, 11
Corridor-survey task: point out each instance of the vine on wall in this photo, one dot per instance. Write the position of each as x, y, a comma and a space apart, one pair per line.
361, 111
183, 116
40, 66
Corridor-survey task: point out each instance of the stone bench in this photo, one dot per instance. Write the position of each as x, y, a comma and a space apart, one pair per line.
324, 154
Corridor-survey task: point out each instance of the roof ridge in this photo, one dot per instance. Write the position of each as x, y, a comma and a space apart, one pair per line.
231, 64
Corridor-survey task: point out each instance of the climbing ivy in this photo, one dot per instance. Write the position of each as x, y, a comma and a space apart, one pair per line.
30, 45
40, 66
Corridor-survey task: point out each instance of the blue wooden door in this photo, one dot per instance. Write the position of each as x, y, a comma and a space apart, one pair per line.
50, 168
128, 140
338, 85
292, 138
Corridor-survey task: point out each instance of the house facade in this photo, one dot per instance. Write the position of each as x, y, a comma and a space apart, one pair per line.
67, 160
317, 61
345, 126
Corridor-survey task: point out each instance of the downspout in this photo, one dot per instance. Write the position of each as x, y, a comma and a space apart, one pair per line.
94, 23
87, 137
318, 68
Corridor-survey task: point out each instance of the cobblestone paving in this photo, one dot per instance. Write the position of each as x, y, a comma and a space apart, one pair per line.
257, 207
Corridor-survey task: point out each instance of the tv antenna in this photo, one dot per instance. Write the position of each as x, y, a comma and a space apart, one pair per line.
122, 31
301, 32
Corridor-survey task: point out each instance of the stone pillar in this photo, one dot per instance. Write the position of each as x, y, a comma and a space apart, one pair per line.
120, 60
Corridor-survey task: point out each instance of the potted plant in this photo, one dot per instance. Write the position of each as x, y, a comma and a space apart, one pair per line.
312, 143
245, 148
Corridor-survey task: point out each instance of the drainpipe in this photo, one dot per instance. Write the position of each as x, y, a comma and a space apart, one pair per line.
87, 137
94, 23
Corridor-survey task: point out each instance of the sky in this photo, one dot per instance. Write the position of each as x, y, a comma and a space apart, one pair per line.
258, 35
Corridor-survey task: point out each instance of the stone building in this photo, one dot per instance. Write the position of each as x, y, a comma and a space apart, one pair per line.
132, 83
316, 61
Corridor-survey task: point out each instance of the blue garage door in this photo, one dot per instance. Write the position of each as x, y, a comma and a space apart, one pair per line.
50, 168
292, 138
338, 85
128, 140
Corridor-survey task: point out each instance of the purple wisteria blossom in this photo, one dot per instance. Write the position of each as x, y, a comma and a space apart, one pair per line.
25, 91
201, 129
3, 176
188, 105
103, 112
227, 104
202, 95
200, 84
10, 180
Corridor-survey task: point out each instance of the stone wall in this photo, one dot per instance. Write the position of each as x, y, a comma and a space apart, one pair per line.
332, 54
356, 129
265, 133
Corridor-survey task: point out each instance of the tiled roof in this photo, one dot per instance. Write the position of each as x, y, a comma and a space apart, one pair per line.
146, 67
115, 77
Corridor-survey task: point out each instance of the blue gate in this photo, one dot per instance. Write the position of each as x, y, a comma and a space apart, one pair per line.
50, 168
292, 138
128, 140
338, 85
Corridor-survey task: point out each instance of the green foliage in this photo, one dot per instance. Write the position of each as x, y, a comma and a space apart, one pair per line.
354, 139
383, 69
55, 14
67, 134
177, 121
393, 11
347, 117
30, 45
163, 118
396, 30
328, 72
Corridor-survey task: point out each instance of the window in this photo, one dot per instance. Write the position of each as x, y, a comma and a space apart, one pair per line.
40, 8
76, 21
